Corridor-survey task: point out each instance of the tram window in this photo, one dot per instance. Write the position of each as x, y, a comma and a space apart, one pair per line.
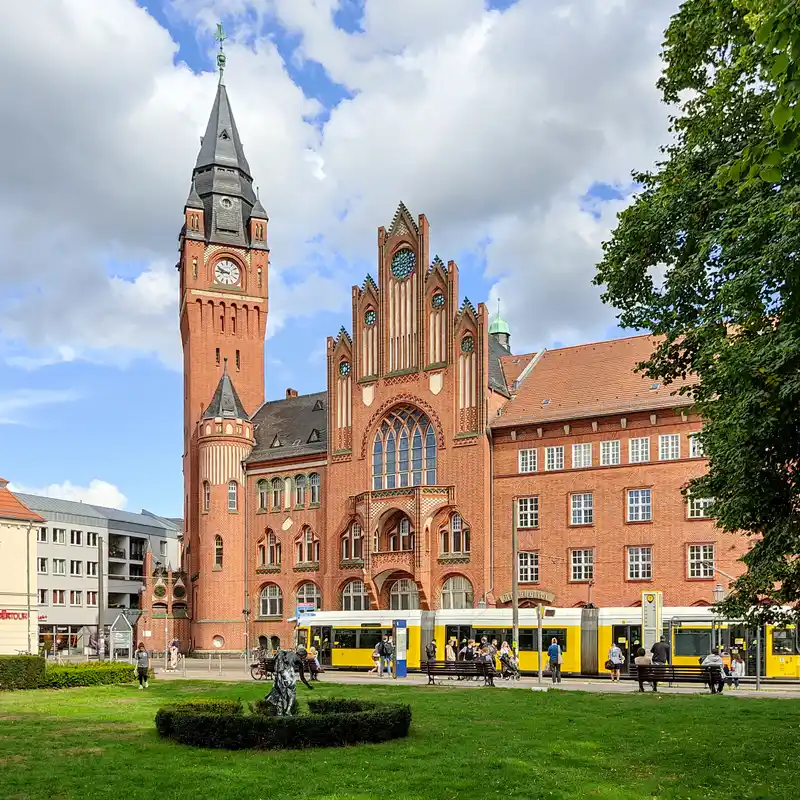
345, 638
529, 638
501, 634
692, 642
784, 642
368, 639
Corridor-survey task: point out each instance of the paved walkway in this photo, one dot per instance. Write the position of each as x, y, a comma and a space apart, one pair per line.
234, 671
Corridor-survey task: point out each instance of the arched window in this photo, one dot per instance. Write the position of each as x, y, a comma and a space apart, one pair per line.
271, 601
355, 597
277, 493
353, 543
300, 490
263, 495
309, 593
307, 547
273, 550
313, 486
233, 496
217, 552
206, 495
404, 450
454, 539
401, 537
404, 596
457, 593
262, 556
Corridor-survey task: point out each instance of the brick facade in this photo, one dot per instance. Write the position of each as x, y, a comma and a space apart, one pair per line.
417, 359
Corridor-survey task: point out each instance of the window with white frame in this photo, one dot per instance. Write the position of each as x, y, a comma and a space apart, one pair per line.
59, 597
162, 547
582, 455
454, 539
307, 547
41, 535
582, 508
41, 566
554, 457
639, 450
271, 601
582, 564
76, 598
233, 495
309, 593
609, 453
42, 597
640, 563
669, 447
353, 543
404, 596
640, 505
76, 568
300, 490
219, 551
76, 538
355, 597
527, 460
528, 566
699, 506
262, 488
59, 536
313, 488
91, 598
695, 446
91, 539
206, 495
91, 569
277, 493
528, 512
273, 550
457, 593
701, 560
59, 566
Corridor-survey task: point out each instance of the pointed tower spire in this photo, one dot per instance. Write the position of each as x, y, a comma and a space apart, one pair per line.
193, 200
258, 212
500, 331
226, 402
220, 37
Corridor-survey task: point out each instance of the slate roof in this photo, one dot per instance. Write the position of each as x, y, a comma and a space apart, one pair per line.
589, 380
497, 380
11, 507
226, 402
289, 428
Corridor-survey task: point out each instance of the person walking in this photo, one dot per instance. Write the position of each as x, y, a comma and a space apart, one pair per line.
555, 655
660, 651
430, 650
641, 660
142, 660
387, 650
737, 670
616, 658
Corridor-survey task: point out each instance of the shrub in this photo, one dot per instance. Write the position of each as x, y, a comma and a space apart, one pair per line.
21, 672
332, 722
88, 674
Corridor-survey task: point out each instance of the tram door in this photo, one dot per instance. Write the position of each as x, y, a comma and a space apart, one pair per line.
321, 639
628, 638
743, 639
457, 632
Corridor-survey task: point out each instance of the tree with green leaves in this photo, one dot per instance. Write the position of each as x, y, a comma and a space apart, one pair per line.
708, 258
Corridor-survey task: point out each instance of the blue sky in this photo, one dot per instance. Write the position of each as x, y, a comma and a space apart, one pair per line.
118, 417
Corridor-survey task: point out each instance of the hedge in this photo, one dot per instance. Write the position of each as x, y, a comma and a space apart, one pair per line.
21, 672
332, 722
32, 672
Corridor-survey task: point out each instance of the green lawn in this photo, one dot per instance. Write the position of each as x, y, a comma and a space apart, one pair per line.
477, 743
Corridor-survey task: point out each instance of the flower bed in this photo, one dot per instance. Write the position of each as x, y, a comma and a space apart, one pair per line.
331, 722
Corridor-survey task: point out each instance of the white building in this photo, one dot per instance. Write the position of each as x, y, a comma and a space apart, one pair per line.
18, 601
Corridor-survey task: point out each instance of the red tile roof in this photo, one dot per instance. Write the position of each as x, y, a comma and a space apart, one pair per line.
13, 508
514, 365
589, 380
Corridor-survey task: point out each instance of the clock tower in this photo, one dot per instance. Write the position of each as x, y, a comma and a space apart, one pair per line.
224, 267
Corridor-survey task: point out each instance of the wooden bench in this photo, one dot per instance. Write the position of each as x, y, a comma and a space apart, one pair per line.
678, 673
268, 665
460, 669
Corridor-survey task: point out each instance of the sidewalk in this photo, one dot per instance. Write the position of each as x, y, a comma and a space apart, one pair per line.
235, 671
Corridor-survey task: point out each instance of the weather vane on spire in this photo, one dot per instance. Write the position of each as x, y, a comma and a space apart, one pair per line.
220, 37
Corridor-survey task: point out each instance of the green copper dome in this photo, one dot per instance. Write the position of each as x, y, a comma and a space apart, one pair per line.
498, 324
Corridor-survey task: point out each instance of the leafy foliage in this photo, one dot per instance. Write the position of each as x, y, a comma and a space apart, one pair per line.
88, 674
21, 672
332, 722
727, 312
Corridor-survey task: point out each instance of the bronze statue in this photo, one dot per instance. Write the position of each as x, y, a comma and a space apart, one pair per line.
284, 688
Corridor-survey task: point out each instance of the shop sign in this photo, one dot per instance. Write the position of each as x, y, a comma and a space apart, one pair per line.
4, 614
529, 594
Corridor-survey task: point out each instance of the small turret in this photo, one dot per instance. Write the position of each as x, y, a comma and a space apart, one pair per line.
500, 330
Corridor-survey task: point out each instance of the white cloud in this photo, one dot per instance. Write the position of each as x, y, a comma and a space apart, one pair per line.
15, 406
99, 493
494, 125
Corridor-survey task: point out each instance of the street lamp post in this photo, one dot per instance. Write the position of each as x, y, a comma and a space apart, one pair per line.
719, 595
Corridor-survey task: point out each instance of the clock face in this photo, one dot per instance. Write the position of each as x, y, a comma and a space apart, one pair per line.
227, 272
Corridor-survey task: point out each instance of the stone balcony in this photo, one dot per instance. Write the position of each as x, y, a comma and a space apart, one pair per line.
400, 560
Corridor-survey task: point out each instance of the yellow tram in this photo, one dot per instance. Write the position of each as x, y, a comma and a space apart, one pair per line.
345, 640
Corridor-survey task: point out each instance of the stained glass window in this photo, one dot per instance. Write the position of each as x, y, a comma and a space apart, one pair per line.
370, 317
404, 450
403, 263
467, 344
344, 368
437, 301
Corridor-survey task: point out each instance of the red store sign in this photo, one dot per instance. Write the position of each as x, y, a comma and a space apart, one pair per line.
4, 614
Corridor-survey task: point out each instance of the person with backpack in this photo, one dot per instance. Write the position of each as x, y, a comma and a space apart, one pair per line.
387, 651
430, 650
